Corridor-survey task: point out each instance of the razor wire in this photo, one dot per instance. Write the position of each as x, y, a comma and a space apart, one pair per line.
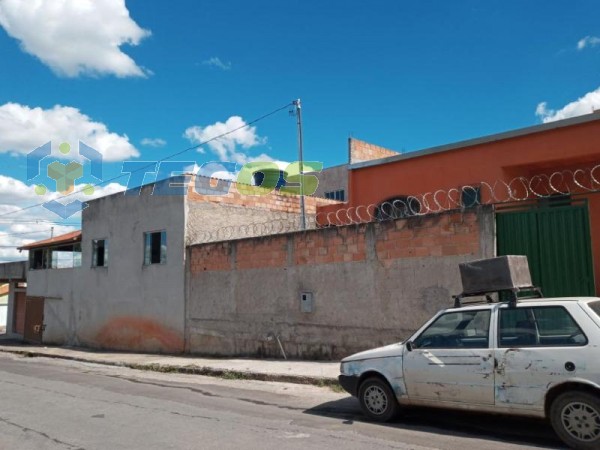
279, 224
558, 185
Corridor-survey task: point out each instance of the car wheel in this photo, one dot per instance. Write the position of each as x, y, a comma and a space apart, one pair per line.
575, 417
377, 400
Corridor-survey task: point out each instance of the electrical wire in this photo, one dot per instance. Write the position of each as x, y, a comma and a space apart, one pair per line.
24, 233
152, 164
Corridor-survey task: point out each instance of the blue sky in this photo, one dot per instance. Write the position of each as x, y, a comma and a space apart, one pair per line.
402, 74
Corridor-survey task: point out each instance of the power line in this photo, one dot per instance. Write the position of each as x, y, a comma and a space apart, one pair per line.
152, 164
22, 234
37, 222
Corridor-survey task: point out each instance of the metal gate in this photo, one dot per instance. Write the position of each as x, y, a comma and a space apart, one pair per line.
556, 240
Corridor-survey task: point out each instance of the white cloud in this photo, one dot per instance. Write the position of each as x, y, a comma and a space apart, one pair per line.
588, 41
33, 224
153, 142
226, 148
12, 236
23, 129
584, 105
193, 168
216, 62
75, 37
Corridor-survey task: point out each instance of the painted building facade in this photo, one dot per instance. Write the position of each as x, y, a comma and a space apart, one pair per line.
542, 181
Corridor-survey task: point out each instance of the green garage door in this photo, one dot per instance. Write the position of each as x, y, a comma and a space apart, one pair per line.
556, 240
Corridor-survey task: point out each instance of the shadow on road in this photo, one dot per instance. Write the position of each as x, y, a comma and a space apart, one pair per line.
515, 430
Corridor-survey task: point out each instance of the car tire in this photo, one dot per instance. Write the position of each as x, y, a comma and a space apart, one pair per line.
377, 400
575, 417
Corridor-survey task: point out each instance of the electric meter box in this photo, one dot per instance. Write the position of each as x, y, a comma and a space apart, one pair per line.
306, 302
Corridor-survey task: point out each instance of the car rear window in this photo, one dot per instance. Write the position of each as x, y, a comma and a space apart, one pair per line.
540, 326
595, 306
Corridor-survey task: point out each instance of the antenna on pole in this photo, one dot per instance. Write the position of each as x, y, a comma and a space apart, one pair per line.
298, 110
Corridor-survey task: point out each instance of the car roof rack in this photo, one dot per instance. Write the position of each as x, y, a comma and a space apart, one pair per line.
513, 295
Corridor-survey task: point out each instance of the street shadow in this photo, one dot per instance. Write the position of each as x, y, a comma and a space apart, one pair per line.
501, 428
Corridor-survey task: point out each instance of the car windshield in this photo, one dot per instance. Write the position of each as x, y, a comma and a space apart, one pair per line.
595, 306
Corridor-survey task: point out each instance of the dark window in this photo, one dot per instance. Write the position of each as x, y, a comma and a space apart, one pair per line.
543, 326
462, 329
470, 196
595, 306
155, 247
38, 259
99, 253
339, 195
60, 257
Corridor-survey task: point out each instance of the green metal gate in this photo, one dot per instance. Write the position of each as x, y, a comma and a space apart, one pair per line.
556, 240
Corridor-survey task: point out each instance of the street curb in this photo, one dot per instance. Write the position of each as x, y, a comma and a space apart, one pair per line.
191, 370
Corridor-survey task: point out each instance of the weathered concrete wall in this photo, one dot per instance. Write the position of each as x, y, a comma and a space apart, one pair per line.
372, 284
125, 305
13, 271
332, 179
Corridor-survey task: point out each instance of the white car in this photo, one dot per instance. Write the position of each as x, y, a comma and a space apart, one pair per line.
538, 358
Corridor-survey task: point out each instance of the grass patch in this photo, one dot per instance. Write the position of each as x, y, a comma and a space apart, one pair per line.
232, 375
331, 384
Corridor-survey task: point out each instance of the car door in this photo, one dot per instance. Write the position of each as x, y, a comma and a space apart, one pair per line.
538, 346
451, 360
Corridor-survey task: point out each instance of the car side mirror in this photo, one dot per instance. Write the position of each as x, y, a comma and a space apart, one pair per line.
409, 346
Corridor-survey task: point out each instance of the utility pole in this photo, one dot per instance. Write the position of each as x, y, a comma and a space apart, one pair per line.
298, 110
51, 232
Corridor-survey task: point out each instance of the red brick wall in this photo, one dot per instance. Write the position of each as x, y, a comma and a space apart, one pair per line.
447, 234
364, 151
210, 257
271, 200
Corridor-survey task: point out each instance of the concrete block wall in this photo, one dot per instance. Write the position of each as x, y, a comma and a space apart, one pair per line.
359, 151
372, 284
332, 179
216, 210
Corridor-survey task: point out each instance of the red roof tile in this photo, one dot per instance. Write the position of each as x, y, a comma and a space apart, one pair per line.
74, 236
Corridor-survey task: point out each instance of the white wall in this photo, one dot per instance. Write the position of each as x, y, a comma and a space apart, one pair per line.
3, 310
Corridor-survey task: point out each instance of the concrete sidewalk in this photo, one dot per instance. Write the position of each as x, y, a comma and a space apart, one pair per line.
303, 372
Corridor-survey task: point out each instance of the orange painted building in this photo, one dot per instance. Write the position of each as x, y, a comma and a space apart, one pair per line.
520, 162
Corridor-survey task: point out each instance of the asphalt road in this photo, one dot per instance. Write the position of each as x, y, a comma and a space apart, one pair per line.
56, 404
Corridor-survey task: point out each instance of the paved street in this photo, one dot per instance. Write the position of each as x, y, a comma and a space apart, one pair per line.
57, 404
